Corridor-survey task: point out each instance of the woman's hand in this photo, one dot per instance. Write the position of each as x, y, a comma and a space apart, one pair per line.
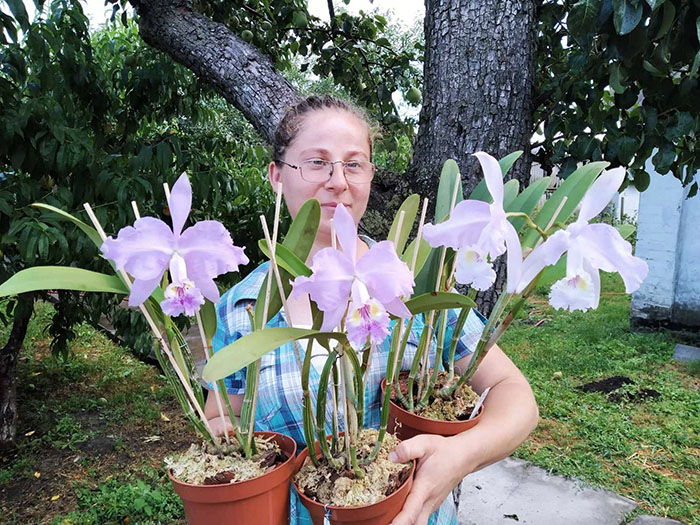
220, 426
441, 466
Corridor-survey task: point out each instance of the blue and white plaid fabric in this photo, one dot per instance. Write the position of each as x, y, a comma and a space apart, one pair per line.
280, 395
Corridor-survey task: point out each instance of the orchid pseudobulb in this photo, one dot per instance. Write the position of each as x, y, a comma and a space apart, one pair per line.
374, 283
589, 248
194, 256
480, 232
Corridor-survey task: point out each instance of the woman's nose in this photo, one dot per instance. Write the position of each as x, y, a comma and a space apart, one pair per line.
337, 179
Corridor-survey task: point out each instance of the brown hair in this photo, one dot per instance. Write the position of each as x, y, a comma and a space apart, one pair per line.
290, 124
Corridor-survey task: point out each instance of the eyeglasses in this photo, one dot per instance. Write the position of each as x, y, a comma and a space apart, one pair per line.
320, 170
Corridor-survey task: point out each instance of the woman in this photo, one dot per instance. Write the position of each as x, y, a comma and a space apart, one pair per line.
312, 145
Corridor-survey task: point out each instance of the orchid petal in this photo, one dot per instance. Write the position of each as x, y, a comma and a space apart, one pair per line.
180, 203
366, 319
463, 228
397, 308
547, 253
492, 238
209, 251
346, 231
178, 269
141, 289
573, 293
595, 280
600, 193
608, 251
385, 275
515, 257
331, 282
473, 269
493, 175
331, 318
181, 298
143, 249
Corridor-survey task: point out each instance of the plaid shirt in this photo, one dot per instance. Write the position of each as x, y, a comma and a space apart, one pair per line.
280, 395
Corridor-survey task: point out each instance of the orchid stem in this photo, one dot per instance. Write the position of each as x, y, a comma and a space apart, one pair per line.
156, 332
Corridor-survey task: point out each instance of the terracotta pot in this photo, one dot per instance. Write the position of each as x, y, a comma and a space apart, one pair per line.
261, 500
379, 513
405, 425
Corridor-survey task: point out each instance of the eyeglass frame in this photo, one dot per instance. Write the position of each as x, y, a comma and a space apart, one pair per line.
332, 164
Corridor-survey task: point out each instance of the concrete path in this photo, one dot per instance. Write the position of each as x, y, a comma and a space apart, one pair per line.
515, 491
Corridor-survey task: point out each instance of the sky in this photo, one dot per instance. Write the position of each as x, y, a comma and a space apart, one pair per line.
405, 11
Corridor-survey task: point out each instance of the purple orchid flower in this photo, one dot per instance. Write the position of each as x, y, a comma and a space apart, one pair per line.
480, 232
589, 248
200, 253
376, 282
181, 296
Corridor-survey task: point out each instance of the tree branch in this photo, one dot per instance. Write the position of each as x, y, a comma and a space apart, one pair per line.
238, 71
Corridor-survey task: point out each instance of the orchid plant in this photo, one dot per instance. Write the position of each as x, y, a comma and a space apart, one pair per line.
165, 272
355, 299
477, 232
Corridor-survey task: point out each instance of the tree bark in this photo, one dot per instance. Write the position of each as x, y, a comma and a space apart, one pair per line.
8, 371
478, 85
238, 71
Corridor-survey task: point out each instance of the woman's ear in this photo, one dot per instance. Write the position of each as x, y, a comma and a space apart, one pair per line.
273, 173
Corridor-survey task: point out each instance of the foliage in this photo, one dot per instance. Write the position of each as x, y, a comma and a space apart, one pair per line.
618, 80
105, 118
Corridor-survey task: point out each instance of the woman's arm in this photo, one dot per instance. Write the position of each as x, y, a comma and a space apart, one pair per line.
211, 411
510, 414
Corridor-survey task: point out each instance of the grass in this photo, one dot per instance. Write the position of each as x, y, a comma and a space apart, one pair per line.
647, 449
93, 431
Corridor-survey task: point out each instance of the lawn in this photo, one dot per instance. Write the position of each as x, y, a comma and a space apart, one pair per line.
93, 431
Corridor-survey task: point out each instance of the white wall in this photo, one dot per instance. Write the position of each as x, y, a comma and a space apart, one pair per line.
668, 238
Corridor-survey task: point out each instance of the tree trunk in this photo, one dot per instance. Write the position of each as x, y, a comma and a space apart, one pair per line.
8, 371
238, 71
478, 84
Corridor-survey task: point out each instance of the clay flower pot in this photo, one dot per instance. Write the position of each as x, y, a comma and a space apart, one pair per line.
379, 513
261, 500
405, 425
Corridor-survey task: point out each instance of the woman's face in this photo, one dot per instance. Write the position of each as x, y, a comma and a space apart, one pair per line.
327, 134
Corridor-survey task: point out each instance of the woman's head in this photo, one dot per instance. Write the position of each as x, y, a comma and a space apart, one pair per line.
323, 129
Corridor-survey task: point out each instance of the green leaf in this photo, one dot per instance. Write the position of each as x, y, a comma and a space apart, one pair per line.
448, 178
574, 188
510, 192
61, 278
253, 346
19, 12
626, 148
627, 14
669, 13
481, 192
616, 78
299, 240
286, 259
438, 301
696, 65
88, 230
410, 209
626, 230
527, 200
209, 321
423, 253
681, 124
641, 180
655, 3
583, 15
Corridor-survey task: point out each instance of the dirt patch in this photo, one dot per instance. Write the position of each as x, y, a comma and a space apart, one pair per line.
610, 386
341, 487
456, 408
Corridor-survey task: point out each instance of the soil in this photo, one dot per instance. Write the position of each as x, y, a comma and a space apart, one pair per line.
610, 385
204, 465
342, 488
457, 408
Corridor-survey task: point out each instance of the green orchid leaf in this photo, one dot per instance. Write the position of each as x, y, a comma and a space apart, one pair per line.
61, 278
410, 209
438, 301
527, 200
286, 259
88, 230
253, 346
